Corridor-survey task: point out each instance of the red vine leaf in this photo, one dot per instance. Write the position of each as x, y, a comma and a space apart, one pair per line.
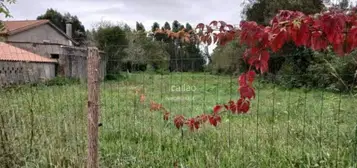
200, 26
246, 92
155, 106
243, 105
209, 29
216, 109
193, 124
279, 40
251, 76
214, 120
179, 120
318, 42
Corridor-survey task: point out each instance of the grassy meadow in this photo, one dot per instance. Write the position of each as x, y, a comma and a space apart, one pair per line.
46, 126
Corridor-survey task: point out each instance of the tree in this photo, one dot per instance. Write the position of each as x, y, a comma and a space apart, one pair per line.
140, 27
111, 39
155, 26
262, 11
167, 26
227, 59
126, 28
344, 4
143, 51
188, 27
3, 9
176, 26
78, 30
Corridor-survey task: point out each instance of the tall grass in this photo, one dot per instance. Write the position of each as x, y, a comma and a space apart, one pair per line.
46, 126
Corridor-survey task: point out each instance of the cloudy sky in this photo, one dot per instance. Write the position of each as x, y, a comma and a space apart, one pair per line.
130, 11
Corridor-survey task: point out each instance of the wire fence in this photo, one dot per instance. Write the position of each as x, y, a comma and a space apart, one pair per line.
45, 124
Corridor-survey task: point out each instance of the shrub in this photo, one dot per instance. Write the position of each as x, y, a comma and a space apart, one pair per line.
228, 59
305, 68
60, 81
114, 77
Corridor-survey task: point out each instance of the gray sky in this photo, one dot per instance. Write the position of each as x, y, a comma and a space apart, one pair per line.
130, 11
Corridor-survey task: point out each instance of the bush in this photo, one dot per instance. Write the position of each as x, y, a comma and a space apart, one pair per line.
228, 59
305, 68
334, 72
61, 81
114, 77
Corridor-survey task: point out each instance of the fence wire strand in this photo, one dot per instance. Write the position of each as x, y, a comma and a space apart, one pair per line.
44, 108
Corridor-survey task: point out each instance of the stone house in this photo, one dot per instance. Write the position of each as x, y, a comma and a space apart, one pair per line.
21, 66
43, 38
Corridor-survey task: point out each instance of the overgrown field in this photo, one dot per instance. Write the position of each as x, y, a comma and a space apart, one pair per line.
46, 126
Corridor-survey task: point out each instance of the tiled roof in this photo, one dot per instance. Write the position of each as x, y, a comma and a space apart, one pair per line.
12, 27
11, 53
17, 26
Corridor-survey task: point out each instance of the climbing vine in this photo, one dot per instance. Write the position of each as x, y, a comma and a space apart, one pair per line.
334, 28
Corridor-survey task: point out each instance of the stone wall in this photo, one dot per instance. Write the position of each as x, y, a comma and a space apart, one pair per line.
25, 72
75, 63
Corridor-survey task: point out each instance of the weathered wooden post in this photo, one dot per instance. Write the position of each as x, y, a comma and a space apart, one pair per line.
93, 107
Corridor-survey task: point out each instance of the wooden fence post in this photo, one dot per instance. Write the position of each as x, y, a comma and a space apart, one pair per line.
93, 106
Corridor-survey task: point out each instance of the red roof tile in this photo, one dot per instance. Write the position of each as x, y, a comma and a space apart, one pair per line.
12, 27
17, 26
11, 53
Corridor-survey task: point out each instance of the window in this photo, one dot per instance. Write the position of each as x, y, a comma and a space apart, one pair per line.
54, 56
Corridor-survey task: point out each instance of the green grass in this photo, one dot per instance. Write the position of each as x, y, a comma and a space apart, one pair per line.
46, 126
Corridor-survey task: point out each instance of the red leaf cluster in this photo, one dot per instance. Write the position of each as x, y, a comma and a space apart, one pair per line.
216, 32
336, 28
155, 106
214, 119
241, 106
179, 120
166, 115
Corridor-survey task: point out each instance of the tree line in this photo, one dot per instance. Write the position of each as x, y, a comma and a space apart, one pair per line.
135, 49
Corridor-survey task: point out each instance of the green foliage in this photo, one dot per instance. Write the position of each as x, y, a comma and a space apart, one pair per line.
188, 27
155, 26
304, 68
191, 59
60, 20
262, 11
115, 77
142, 50
140, 27
5, 11
112, 40
227, 59
167, 26
176, 26
61, 81
183, 57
